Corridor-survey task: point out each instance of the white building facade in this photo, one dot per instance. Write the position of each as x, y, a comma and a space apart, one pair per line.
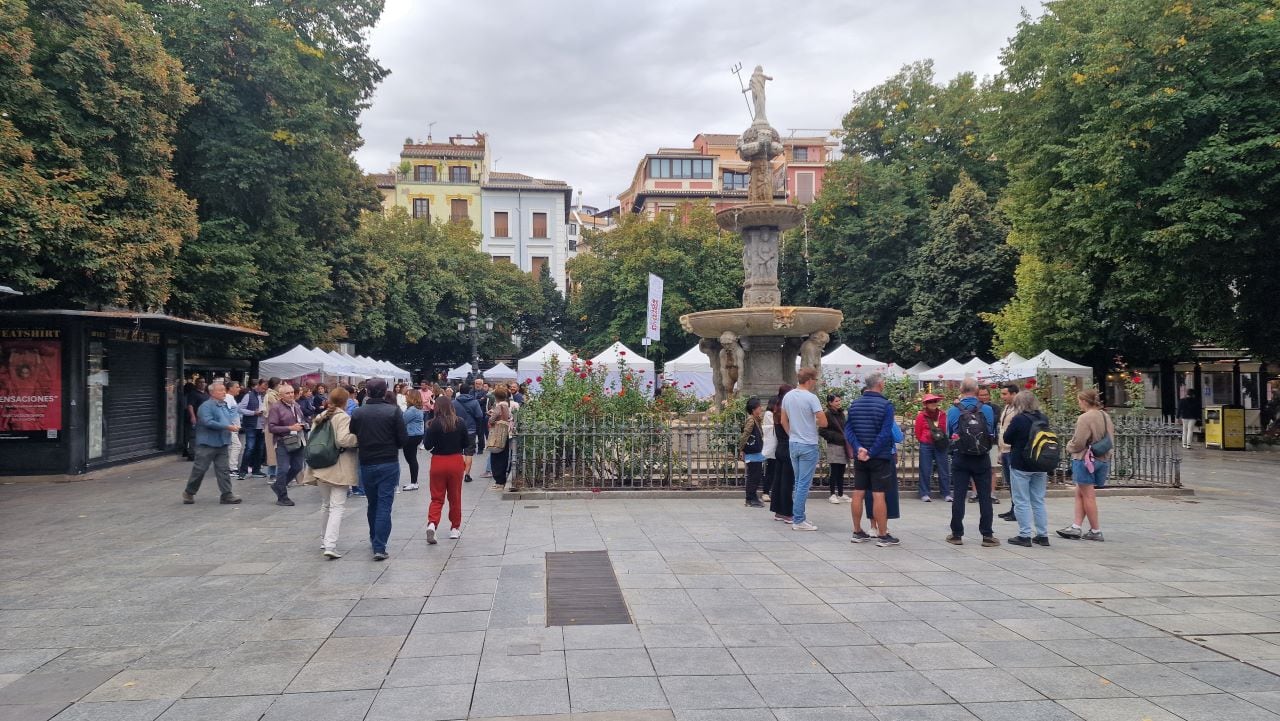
526, 222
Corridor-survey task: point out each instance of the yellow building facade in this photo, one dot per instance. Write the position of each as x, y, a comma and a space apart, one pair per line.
441, 181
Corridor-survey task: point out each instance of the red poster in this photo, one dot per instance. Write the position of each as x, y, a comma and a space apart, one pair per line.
30, 383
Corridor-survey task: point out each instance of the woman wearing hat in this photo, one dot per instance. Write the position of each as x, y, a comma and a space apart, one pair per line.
931, 432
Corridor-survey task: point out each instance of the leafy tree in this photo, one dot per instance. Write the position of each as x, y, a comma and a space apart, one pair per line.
701, 268
267, 154
1141, 140
405, 282
860, 233
964, 269
544, 322
89, 102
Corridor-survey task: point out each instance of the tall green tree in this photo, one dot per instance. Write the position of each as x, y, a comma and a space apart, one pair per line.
267, 154
963, 270
89, 103
701, 268
544, 322
1143, 145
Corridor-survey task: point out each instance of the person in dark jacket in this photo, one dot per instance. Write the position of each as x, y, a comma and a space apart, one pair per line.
380, 430
1027, 484
751, 444
971, 467
869, 432
472, 416
837, 459
1189, 413
784, 476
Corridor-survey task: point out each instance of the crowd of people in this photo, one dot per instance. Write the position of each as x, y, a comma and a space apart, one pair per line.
349, 441
963, 444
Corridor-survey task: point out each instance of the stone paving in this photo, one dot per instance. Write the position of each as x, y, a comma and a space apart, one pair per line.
117, 603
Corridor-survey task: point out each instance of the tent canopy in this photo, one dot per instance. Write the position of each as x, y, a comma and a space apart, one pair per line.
950, 369
1051, 363
293, 363
612, 358
691, 371
459, 373
530, 367
847, 361
915, 370
500, 372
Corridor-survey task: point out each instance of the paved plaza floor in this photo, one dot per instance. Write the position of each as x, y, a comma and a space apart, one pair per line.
118, 603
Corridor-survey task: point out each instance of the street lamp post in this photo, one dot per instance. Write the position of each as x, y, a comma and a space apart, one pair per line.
472, 323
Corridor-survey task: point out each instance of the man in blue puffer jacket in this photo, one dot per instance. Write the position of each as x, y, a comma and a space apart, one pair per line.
869, 431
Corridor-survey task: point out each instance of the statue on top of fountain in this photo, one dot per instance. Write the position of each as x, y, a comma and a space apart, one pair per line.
759, 144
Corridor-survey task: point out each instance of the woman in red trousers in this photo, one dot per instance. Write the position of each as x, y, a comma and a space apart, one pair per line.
446, 437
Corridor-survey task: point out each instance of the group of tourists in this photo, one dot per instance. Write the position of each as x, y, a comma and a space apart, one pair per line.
779, 443
349, 442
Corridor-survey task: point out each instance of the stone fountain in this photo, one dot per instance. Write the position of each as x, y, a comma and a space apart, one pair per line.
753, 349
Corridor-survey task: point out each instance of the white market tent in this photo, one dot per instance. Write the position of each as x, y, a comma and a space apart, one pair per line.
459, 373
1053, 364
531, 366
1002, 370
691, 368
915, 370
341, 365
500, 372
949, 370
293, 363
847, 361
612, 359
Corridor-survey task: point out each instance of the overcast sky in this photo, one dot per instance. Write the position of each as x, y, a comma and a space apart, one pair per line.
580, 91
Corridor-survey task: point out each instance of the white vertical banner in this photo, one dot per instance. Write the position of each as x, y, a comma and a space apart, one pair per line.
653, 311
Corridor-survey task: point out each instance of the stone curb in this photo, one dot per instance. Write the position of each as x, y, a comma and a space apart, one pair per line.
737, 494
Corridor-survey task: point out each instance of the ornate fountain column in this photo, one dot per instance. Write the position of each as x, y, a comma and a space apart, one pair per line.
762, 338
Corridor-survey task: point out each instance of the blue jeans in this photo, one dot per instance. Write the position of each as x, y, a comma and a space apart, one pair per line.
254, 451
1083, 477
380, 481
1028, 489
929, 457
804, 458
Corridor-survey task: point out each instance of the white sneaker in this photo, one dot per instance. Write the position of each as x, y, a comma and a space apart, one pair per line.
764, 497
803, 526
455, 534
845, 498
409, 487
833, 499
431, 533
332, 555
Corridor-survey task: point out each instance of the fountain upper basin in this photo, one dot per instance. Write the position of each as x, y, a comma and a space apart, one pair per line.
791, 321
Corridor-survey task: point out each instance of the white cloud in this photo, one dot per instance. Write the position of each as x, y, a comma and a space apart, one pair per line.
579, 91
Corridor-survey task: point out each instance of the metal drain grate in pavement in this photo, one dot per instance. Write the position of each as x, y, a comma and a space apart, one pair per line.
582, 590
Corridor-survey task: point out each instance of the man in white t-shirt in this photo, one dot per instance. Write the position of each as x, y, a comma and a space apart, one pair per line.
802, 416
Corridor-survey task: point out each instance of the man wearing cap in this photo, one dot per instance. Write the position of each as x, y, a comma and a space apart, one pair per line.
379, 428
931, 432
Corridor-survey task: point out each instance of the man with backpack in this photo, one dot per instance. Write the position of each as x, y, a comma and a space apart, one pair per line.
973, 430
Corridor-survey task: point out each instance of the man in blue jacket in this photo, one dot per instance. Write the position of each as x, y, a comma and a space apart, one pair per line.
215, 422
973, 430
472, 415
869, 430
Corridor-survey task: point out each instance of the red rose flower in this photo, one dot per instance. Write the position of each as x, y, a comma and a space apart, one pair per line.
528, 380
1030, 384
622, 352
1137, 379
539, 379
859, 365
583, 376
588, 361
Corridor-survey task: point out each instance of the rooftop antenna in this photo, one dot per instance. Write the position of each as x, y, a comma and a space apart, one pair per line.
736, 69
430, 125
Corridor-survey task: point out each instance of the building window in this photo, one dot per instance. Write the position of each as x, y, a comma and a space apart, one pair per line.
501, 228
573, 229
458, 210
800, 154
459, 174
680, 168
502, 259
736, 181
539, 262
424, 173
805, 189
421, 208
539, 225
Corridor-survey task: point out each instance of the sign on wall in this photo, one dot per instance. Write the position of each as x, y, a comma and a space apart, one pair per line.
30, 383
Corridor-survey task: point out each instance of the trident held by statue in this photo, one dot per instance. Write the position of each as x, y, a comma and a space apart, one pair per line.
736, 69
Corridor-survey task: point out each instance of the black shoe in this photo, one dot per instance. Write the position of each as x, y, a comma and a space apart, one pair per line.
861, 537
755, 504
467, 478
990, 541
1021, 541
973, 499
1008, 517
1041, 540
229, 499
380, 556
284, 502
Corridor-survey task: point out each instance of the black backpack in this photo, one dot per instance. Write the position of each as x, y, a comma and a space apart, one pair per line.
755, 442
974, 432
1043, 450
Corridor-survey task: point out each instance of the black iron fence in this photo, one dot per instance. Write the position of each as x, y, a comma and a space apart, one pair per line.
658, 453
